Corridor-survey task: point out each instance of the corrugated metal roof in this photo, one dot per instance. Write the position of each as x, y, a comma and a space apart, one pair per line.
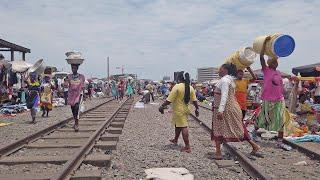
12, 46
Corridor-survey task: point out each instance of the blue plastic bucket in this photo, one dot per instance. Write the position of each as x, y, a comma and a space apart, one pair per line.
283, 45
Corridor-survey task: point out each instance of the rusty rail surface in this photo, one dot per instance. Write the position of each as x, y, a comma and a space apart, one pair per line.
253, 170
76, 160
310, 153
12, 147
204, 107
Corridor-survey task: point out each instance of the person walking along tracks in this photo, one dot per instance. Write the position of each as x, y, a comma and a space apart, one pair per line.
227, 124
33, 95
114, 90
76, 85
180, 97
46, 95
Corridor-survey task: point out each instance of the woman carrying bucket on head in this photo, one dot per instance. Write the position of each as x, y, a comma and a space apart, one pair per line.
273, 106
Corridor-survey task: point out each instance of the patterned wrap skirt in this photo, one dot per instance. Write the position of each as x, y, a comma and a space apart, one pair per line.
231, 127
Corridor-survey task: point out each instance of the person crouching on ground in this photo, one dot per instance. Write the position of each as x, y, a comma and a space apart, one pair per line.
76, 84
227, 124
180, 97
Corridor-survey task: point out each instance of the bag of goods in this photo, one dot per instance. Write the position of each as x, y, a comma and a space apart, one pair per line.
279, 45
20, 66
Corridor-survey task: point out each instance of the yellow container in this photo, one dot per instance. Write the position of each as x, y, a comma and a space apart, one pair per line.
242, 58
258, 43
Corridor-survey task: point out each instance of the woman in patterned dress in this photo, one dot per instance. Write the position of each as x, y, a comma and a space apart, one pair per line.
46, 96
75, 93
227, 125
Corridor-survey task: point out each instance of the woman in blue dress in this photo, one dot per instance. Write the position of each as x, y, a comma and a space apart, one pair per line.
114, 90
129, 91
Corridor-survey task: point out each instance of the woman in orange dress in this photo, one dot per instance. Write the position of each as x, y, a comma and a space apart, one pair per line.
227, 125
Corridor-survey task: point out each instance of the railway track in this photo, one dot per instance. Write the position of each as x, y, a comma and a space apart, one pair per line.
302, 162
57, 152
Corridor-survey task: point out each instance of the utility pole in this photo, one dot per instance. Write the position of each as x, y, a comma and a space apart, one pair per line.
108, 68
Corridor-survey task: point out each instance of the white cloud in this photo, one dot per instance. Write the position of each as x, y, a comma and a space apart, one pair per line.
161, 36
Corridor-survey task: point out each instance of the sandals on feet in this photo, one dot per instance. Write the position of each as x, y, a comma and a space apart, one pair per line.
174, 141
76, 128
215, 157
187, 150
257, 154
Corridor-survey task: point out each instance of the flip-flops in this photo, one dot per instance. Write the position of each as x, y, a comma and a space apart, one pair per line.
217, 157
257, 154
173, 141
187, 150
76, 128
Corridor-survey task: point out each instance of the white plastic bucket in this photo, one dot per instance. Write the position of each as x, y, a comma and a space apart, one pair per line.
247, 56
242, 58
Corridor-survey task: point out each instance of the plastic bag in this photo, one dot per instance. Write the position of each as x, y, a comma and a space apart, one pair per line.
82, 108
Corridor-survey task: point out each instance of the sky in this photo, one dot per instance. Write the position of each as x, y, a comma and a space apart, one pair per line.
153, 38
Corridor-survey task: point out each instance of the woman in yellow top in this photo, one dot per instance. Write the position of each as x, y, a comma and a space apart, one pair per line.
180, 96
242, 88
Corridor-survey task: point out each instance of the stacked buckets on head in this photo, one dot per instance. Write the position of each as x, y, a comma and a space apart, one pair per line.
242, 58
278, 46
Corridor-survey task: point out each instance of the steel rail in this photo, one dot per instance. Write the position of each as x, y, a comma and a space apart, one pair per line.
76, 160
246, 164
12, 147
204, 107
310, 153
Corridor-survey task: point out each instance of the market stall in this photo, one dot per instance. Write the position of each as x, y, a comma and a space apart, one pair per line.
305, 101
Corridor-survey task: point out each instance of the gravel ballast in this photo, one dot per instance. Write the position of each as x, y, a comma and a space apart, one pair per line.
145, 144
22, 127
277, 163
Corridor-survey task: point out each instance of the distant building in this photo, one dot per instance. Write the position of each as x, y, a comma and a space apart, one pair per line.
207, 74
166, 78
175, 75
117, 77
